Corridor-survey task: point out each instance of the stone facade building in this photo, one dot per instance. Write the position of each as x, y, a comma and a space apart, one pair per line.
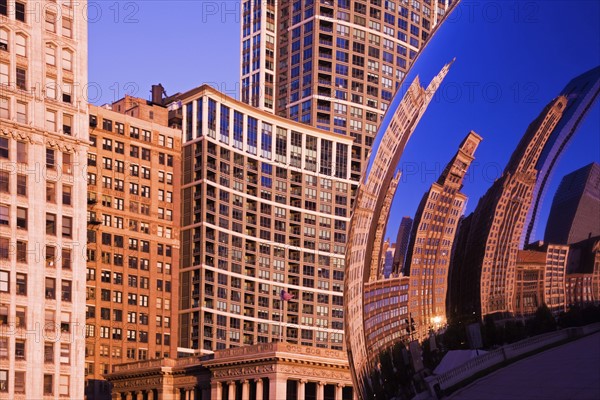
258, 372
43, 152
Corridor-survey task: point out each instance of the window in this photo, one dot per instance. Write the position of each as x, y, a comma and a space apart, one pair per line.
3, 33
50, 290
50, 22
67, 126
64, 385
4, 74
66, 258
50, 55
49, 352
50, 224
65, 353
50, 157
21, 78
20, 382
19, 349
21, 284
21, 218
66, 195
67, 163
48, 388
67, 27
50, 192
21, 45
4, 107
50, 256
67, 60
4, 214
21, 251
20, 11
67, 224
66, 290
4, 152
3, 381
21, 152
3, 348
22, 112
4, 281
4, 248
4, 182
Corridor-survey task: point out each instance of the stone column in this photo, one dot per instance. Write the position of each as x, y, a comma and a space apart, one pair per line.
231, 390
139, 396
167, 393
339, 391
205, 392
129, 396
301, 389
216, 391
151, 394
116, 396
259, 388
245, 389
321, 391
189, 394
277, 387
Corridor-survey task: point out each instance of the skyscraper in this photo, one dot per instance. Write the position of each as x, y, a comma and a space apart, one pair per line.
134, 165
334, 65
402, 240
266, 204
43, 151
581, 92
575, 212
485, 258
432, 238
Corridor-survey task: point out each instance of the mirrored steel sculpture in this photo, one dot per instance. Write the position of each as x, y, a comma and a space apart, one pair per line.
366, 295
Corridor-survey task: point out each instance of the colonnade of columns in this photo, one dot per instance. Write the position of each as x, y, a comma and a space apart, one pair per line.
136, 395
277, 389
217, 389
188, 393
301, 390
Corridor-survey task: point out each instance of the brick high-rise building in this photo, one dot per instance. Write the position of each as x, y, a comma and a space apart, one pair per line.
266, 205
133, 170
43, 147
334, 65
575, 212
484, 260
432, 238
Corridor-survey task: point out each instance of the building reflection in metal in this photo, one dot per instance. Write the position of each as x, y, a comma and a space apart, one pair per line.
372, 303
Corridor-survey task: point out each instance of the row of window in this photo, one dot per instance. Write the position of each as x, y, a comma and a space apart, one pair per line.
132, 317
50, 288
134, 133
19, 10
48, 384
132, 335
116, 352
22, 156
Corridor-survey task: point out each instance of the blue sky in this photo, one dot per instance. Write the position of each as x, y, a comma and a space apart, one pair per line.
512, 58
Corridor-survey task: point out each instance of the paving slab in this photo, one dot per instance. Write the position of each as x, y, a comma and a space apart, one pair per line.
570, 371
